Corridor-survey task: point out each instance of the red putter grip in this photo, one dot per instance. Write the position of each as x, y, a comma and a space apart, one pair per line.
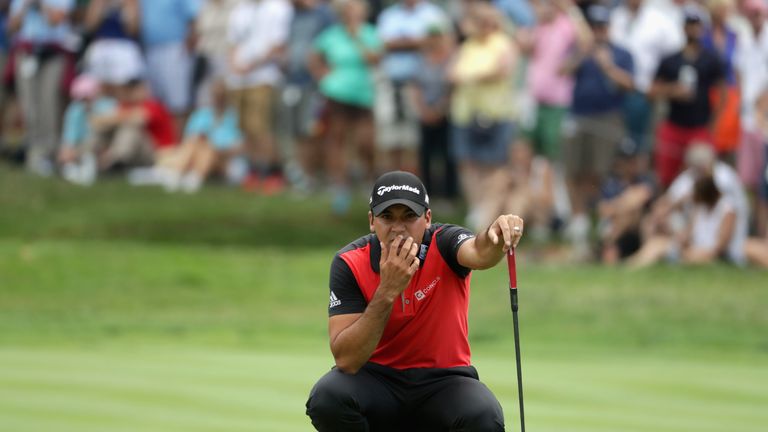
512, 269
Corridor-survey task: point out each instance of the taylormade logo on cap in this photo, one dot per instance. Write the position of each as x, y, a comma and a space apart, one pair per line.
384, 189
399, 187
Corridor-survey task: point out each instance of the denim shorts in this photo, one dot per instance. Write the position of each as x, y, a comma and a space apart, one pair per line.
491, 151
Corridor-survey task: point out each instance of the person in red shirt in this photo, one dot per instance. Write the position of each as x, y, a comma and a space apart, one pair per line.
138, 132
398, 330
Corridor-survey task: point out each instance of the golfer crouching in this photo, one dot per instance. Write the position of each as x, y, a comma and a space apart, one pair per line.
398, 320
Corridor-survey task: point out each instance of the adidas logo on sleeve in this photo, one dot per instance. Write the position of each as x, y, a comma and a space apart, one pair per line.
334, 301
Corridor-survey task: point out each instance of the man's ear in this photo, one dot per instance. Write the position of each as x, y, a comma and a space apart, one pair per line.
370, 221
428, 217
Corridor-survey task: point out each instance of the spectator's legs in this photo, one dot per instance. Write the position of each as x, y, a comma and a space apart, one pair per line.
257, 119
204, 160
669, 153
39, 89
750, 157
673, 141
3, 98
756, 251
450, 180
471, 185
750, 161
486, 188
338, 123
638, 114
495, 189
434, 148
336, 145
365, 146
762, 198
653, 250
169, 68
130, 145
549, 122
427, 149
181, 158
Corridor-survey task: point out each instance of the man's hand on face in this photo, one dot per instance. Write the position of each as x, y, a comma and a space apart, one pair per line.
507, 230
398, 264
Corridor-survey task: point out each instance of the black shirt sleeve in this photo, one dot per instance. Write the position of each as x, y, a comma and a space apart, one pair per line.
346, 296
448, 241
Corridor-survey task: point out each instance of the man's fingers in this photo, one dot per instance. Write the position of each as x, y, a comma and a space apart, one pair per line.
384, 252
517, 230
413, 252
406, 248
492, 235
506, 233
395, 245
414, 266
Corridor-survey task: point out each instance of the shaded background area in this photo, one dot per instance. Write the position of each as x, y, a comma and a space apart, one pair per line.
141, 311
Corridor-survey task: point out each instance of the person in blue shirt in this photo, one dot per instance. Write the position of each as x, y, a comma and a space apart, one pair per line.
625, 195
166, 26
78, 164
603, 74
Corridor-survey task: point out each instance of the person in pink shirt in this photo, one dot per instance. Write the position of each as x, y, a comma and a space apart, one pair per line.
560, 27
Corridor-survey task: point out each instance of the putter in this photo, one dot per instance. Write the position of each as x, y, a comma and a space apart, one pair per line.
513, 300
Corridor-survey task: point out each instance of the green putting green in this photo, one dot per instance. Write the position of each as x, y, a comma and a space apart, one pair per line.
124, 309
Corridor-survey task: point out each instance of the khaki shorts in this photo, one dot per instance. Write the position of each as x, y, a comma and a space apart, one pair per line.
591, 143
255, 106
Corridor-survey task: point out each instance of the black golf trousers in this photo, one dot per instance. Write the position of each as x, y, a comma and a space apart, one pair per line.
381, 399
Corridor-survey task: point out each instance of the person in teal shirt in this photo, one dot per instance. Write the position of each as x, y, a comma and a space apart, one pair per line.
342, 60
75, 155
212, 143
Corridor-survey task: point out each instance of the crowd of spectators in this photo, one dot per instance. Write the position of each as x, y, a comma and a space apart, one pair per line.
634, 129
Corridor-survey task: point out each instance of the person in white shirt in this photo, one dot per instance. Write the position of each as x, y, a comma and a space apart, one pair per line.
713, 234
402, 28
671, 212
258, 31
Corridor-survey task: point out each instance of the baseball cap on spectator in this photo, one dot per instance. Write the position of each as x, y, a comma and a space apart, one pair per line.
598, 15
84, 87
399, 187
694, 14
700, 155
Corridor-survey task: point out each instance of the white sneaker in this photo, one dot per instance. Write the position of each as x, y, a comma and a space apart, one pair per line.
171, 181
144, 176
578, 229
88, 169
71, 172
236, 170
191, 183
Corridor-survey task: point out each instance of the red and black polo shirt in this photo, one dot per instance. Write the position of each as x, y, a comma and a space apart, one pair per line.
428, 324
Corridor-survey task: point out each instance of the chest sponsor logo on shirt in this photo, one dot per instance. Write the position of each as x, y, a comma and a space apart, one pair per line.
422, 293
334, 301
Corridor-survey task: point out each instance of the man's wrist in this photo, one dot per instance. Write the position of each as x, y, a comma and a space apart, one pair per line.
384, 295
